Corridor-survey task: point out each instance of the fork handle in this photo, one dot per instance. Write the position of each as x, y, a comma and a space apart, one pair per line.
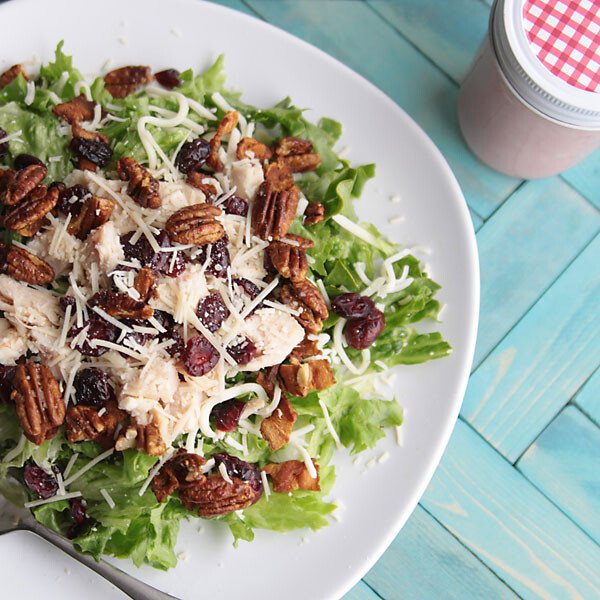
126, 583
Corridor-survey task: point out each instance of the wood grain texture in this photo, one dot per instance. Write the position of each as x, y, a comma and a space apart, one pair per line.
449, 33
588, 398
361, 591
564, 463
542, 362
513, 528
529, 241
365, 42
426, 561
585, 177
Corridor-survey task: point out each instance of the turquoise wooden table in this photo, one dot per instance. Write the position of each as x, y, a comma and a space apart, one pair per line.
513, 509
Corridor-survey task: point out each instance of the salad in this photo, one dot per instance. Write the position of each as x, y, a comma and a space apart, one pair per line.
193, 320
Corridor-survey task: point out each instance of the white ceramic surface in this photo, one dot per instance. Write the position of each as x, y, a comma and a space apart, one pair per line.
377, 501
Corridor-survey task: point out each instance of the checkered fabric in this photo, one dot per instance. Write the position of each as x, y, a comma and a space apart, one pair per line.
565, 36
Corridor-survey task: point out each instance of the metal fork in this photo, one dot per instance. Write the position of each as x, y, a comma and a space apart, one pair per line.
18, 518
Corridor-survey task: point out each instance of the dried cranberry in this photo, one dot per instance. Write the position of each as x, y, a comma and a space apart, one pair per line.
7, 374
250, 289
219, 257
79, 516
95, 151
25, 160
172, 334
39, 482
199, 356
164, 318
361, 333
352, 306
212, 311
236, 467
99, 329
159, 262
70, 200
4, 145
92, 387
243, 352
192, 155
67, 301
168, 78
235, 206
227, 414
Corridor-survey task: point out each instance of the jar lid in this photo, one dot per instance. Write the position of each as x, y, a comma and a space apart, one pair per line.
549, 50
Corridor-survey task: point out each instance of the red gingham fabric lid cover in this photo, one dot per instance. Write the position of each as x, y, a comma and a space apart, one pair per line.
565, 36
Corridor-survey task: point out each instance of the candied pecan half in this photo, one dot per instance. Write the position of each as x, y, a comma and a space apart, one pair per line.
121, 305
292, 145
195, 224
180, 471
289, 258
144, 282
24, 217
38, 401
306, 298
305, 349
314, 213
147, 438
277, 428
11, 74
126, 80
213, 496
143, 188
27, 267
309, 293
76, 110
298, 380
225, 126
274, 212
251, 148
279, 176
95, 212
17, 185
292, 475
84, 423
201, 182
299, 163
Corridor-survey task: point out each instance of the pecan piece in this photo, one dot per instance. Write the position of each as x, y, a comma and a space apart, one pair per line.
27, 267
225, 126
76, 110
305, 349
314, 213
195, 224
144, 282
126, 80
143, 188
38, 401
299, 163
24, 217
84, 423
292, 145
306, 298
279, 176
180, 471
201, 182
298, 380
11, 74
292, 475
309, 293
290, 258
251, 148
274, 212
17, 185
277, 428
213, 496
146, 437
95, 212
121, 305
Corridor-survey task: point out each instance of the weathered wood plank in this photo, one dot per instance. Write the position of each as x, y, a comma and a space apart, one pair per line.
425, 561
522, 249
528, 542
564, 463
449, 33
361, 591
585, 177
588, 398
542, 362
235, 4
363, 41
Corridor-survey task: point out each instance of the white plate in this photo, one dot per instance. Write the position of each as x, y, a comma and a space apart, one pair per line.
268, 64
